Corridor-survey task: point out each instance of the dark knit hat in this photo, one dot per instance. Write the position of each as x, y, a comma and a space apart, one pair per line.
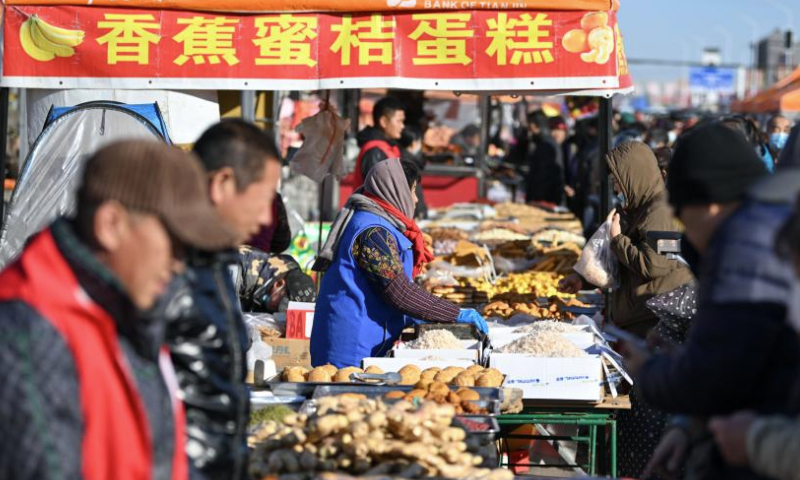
712, 164
152, 177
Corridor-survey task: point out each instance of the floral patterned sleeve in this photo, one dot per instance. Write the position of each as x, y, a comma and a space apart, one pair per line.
377, 253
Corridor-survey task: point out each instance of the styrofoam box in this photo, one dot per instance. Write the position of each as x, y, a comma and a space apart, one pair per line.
581, 339
469, 354
395, 364
575, 379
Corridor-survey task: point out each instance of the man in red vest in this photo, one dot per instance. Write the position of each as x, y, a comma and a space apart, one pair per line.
379, 142
88, 390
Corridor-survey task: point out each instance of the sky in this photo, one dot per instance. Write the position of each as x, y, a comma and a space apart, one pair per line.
680, 29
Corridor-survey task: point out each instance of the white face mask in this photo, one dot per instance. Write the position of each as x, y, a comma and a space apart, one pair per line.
672, 137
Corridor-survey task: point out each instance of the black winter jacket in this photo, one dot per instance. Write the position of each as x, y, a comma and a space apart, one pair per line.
208, 340
741, 353
545, 180
373, 156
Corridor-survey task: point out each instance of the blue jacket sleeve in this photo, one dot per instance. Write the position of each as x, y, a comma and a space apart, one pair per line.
733, 359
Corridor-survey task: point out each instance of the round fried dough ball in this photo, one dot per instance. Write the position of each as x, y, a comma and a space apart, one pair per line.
468, 395
464, 380
294, 372
430, 373
488, 380
423, 384
444, 376
455, 370
439, 389
374, 369
343, 375
409, 377
415, 394
395, 395
475, 368
331, 369
319, 375
410, 369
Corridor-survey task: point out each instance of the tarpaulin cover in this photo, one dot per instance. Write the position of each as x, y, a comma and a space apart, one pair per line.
51, 173
784, 96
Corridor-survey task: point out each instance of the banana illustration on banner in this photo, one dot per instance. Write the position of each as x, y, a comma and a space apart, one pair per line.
44, 42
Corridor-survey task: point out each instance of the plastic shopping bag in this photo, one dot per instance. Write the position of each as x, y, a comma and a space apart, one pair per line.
598, 264
322, 153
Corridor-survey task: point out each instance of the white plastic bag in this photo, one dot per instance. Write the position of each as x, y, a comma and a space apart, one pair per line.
597, 264
322, 153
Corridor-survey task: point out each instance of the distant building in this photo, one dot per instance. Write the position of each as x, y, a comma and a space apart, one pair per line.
771, 57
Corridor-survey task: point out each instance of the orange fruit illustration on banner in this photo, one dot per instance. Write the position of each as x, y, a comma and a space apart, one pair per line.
575, 41
44, 42
594, 41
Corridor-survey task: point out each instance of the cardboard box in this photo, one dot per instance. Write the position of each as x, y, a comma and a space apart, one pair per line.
288, 352
571, 379
299, 320
395, 364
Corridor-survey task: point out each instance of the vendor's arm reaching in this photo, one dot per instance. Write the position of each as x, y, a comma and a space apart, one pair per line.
376, 252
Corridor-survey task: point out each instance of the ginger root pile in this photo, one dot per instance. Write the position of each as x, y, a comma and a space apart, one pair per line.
366, 437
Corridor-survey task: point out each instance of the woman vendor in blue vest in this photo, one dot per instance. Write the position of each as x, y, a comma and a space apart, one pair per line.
372, 255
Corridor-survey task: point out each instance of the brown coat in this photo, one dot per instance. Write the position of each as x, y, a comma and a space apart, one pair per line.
643, 273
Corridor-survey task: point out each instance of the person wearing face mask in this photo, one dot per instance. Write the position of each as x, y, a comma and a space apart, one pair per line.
748, 127
778, 129
643, 273
741, 352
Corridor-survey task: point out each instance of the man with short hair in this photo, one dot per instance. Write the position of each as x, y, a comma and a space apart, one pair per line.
207, 335
88, 391
741, 352
380, 141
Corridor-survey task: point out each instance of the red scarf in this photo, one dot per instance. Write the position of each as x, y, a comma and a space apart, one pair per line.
421, 253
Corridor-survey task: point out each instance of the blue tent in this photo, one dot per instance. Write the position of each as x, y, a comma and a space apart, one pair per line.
147, 112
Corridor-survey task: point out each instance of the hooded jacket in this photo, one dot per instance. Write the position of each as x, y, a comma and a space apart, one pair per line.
643, 273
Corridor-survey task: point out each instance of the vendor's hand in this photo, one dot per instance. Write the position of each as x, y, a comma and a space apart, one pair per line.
571, 284
616, 229
669, 456
635, 356
472, 317
731, 436
569, 191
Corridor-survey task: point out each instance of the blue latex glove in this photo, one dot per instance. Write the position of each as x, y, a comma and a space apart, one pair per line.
472, 317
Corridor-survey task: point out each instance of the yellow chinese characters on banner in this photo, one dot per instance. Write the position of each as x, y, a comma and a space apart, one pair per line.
207, 39
129, 37
445, 35
373, 39
622, 59
285, 40
525, 39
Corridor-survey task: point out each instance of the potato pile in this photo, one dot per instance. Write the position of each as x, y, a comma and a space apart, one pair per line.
367, 438
473, 376
440, 393
325, 374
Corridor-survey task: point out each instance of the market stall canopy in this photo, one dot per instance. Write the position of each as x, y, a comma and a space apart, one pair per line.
261, 6
784, 96
480, 47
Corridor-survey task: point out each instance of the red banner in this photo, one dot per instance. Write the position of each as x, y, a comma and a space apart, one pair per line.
475, 50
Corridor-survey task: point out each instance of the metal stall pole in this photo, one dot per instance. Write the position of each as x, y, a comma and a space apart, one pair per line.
606, 122
4, 93
248, 101
484, 106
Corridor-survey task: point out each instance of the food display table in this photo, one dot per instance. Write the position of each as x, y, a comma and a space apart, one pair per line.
597, 431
